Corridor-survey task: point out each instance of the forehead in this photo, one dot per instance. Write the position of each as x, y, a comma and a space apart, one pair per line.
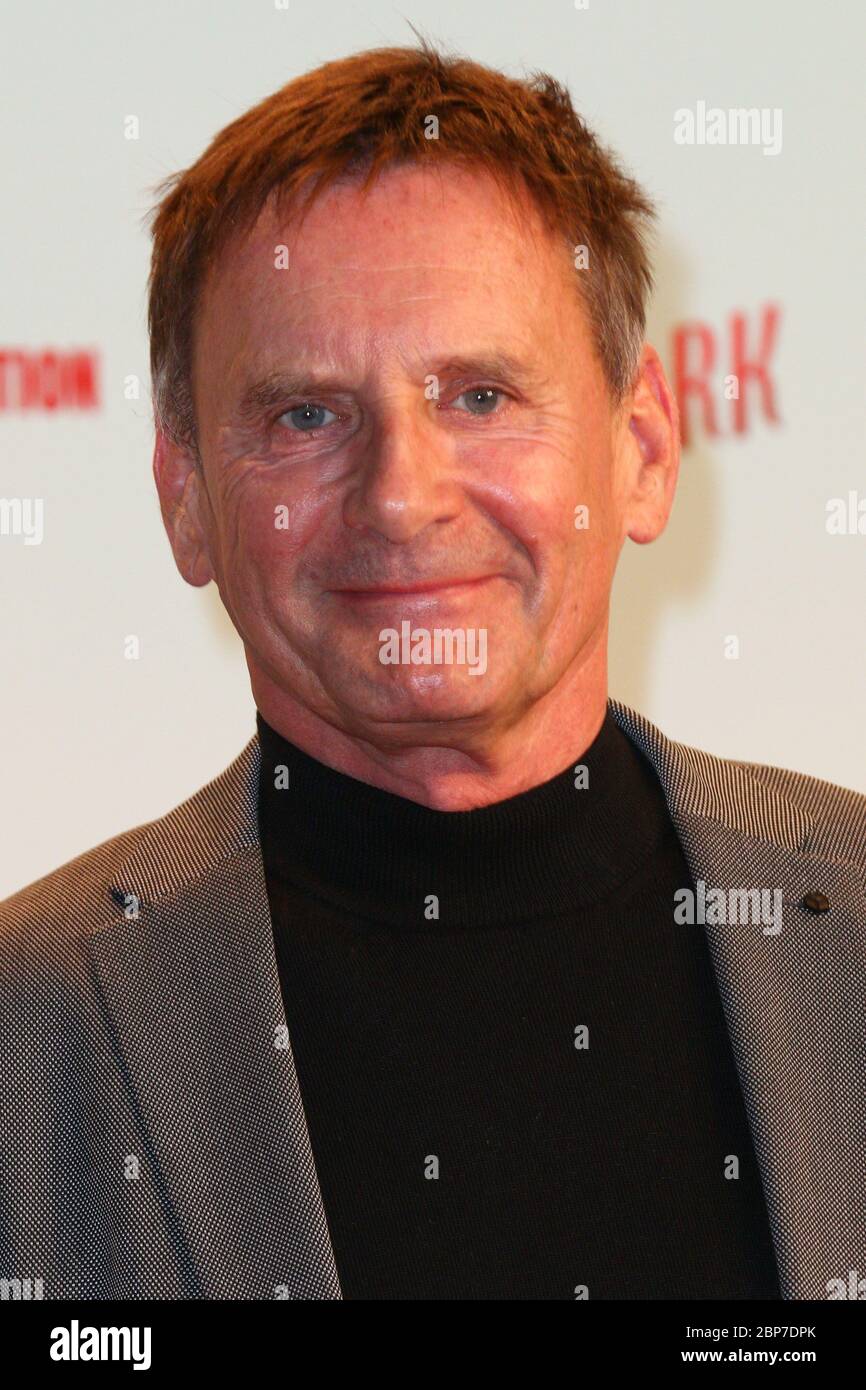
410, 219
422, 256
423, 210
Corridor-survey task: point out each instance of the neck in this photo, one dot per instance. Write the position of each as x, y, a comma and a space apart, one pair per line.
377, 857
473, 768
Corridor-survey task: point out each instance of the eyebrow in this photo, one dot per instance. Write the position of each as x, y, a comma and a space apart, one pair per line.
282, 384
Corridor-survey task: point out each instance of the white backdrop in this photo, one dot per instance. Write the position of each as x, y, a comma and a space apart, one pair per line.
93, 743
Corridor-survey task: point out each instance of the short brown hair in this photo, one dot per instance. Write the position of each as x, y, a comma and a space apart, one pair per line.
358, 114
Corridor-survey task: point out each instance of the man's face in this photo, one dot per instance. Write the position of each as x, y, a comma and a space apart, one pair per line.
442, 417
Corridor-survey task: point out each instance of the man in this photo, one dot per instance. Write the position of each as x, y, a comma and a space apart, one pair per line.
463, 980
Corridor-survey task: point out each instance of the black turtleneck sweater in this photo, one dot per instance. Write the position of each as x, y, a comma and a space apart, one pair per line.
514, 1064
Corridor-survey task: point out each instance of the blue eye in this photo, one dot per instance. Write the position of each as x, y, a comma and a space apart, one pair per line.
486, 398
306, 417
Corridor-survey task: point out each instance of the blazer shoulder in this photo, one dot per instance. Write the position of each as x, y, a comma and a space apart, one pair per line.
69, 900
839, 812
833, 815
79, 896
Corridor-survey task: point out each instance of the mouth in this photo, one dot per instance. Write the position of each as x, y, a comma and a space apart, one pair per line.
435, 588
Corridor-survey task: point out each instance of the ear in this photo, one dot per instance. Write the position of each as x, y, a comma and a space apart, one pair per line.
654, 452
185, 508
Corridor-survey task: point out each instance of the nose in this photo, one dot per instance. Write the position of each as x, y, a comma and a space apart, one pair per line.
407, 481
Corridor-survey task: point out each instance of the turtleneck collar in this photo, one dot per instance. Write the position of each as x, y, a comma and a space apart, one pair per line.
373, 854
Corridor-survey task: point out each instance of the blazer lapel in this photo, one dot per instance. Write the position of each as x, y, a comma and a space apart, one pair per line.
795, 1003
193, 995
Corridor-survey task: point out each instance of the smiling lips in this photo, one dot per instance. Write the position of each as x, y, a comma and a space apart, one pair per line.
415, 590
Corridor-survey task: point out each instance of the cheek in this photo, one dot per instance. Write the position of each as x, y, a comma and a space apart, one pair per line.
535, 495
268, 529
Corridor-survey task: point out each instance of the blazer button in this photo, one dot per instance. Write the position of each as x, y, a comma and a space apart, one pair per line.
816, 902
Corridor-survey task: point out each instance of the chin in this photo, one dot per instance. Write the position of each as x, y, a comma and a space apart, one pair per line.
412, 695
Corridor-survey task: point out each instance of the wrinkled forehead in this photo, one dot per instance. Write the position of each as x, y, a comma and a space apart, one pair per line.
422, 268
413, 227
